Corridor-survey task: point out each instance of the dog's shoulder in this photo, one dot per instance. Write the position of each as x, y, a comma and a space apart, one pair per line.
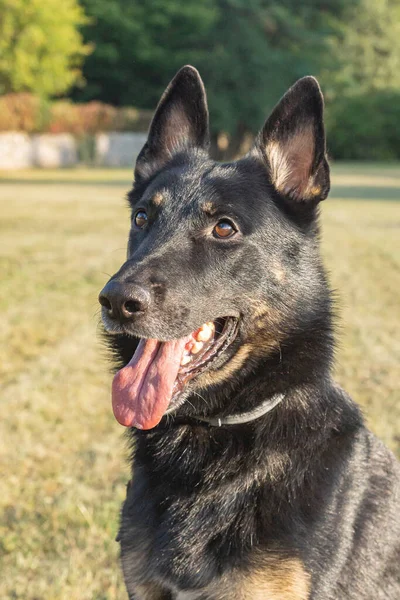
361, 515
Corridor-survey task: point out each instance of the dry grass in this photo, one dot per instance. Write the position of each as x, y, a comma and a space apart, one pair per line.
62, 465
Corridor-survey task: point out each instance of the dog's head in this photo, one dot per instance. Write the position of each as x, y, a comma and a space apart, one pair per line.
222, 258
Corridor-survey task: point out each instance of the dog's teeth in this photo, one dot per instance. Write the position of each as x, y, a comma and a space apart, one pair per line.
197, 346
204, 333
185, 360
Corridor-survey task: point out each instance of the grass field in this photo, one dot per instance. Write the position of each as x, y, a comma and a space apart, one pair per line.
62, 465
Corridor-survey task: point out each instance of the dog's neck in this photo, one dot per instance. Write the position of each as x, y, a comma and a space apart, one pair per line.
245, 417
277, 447
312, 411
302, 362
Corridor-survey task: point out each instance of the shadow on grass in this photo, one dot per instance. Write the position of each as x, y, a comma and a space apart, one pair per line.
355, 192
56, 182
365, 192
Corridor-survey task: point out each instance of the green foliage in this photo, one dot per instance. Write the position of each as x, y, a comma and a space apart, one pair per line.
362, 83
258, 49
41, 49
248, 51
365, 53
139, 45
364, 126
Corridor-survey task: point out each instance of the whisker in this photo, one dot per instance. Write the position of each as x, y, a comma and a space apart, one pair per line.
280, 353
191, 404
200, 396
96, 315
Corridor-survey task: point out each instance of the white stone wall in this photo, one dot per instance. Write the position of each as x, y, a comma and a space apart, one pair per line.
55, 150
15, 150
22, 151
118, 149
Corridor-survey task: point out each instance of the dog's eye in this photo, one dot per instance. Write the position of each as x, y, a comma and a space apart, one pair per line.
224, 229
140, 219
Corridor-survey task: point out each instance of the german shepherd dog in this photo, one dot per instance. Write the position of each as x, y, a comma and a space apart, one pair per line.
254, 476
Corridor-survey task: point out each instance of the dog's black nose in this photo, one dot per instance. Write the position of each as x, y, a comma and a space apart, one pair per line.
123, 301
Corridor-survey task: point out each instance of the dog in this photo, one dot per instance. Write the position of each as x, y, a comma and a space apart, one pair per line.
253, 474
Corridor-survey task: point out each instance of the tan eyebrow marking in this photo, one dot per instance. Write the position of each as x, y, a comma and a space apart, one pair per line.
158, 199
209, 207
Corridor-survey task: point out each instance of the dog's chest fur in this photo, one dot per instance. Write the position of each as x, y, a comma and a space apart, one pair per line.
239, 542
183, 564
202, 544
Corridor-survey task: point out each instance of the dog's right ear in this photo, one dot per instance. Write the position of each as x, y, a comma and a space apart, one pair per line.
179, 123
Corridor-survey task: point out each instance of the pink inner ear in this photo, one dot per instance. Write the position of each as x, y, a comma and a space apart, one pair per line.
290, 163
176, 134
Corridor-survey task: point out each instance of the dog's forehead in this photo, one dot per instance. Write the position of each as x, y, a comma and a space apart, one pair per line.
208, 187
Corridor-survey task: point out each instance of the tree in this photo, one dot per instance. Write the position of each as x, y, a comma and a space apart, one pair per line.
139, 45
258, 48
366, 50
41, 49
248, 51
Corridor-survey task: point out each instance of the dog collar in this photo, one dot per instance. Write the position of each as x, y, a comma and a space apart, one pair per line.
245, 417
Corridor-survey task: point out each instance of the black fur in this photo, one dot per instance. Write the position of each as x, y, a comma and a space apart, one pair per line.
306, 481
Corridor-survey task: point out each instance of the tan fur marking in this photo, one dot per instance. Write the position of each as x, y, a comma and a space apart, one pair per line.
290, 162
263, 337
279, 579
284, 580
209, 207
158, 199
229, 369
262, 309
266, 318
315, 190
278, 272
150, 591
223, 141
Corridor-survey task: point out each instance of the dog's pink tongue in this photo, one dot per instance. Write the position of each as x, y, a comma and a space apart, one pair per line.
142, 391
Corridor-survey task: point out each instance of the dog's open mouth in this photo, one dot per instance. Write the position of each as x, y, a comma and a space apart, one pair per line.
158, 372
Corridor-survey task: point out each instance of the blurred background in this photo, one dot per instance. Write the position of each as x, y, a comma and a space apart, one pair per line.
78, 84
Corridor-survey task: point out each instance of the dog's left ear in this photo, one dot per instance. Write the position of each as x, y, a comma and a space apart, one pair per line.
179, 123
292, 143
